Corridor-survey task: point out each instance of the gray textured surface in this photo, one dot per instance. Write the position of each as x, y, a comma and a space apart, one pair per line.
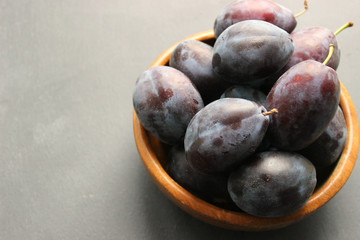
69, 168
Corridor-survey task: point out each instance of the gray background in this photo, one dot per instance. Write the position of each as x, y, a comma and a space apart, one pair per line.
69, 168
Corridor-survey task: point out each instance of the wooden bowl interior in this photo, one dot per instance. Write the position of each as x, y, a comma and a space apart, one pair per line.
154, 156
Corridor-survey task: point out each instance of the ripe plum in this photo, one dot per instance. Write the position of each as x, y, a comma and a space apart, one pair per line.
272, 184
165, 100
307, 97
265, 10
310, 43
193, 58
327, 148
251, 50
224, 133
313, 43
252, 94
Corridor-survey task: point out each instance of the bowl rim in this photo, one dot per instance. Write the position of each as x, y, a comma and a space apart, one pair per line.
237, 220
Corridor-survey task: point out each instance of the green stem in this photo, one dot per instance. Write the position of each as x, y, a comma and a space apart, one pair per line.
348, 24
331, 50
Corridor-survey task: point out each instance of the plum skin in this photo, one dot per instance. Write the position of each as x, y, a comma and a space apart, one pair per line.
272, 184
224, 133
307, 97
313, 43
165, 100
265, 10
310, 44
250, 51
326, 149
194, 59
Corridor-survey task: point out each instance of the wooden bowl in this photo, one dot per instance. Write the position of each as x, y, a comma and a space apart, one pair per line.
153, 155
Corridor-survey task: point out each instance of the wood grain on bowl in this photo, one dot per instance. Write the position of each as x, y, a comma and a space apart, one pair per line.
153, 155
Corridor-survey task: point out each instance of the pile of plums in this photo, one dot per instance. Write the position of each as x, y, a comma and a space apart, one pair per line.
252, 121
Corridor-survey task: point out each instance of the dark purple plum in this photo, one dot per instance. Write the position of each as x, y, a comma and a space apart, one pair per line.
251, 50
193, 58
326, 150
245, 92
210, 187
307, 97
265, 10
252, 94
224, 133
272, 184
165, 100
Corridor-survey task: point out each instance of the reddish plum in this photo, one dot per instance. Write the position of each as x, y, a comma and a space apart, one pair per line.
313, 43
307, 97
310, 44
265, 10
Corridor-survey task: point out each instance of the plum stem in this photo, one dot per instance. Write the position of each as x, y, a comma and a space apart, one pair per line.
272, 111
303, 11
331, 50
346, 25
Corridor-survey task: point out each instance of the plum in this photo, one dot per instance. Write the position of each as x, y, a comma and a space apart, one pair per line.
326, 150
165, 100
250, 51
265, 10
307, 97
272, 183
224, 133
193, 58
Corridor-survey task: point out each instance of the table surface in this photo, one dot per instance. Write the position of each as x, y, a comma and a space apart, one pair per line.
69, 165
